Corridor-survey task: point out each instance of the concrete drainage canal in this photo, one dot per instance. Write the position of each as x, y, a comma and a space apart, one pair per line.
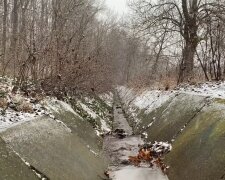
130, 156
64, 146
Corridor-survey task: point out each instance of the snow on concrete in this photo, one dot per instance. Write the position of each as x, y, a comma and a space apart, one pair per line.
104, 126
107, 98
149, 99
92, 151
19, 108
57, 106
127, 95
133, 173
98, 133
37, 173
88, 110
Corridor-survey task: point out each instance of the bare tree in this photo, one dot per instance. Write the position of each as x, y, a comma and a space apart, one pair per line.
184, 18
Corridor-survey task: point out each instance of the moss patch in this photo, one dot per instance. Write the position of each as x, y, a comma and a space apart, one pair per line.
173, 118
199, 152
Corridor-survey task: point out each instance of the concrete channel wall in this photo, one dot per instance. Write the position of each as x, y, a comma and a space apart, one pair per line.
195, 125
67, 150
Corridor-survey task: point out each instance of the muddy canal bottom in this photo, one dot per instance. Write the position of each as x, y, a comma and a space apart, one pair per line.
119, 146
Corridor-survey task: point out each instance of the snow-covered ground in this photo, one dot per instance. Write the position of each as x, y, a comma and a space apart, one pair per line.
149, 99
17, 106
210, 89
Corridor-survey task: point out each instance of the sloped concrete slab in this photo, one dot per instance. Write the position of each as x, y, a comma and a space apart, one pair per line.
79, 126
172, 119
199, 152
12, 167
146, 119
56, 152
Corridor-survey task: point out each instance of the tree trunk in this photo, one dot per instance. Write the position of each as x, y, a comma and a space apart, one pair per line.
191, 40
187, 65
14, 34
4, 36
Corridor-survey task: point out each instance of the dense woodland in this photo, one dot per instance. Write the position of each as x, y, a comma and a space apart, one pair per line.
60, 44
68, 45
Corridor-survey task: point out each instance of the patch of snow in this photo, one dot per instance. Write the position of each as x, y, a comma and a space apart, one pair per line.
98, 133
127, 95
67, 107
57, 106
52, 105
147, 99
107, 98
134, 173
145, 134
88, 110
162, 146
210, 89
104, 126
151, 100
88, 99
64, 125
150, 124
12, 118
96, 154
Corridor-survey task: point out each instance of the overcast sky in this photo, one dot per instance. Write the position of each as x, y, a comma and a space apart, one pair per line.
118, 6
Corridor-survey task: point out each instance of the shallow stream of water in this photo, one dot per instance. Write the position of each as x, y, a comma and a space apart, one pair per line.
119, 149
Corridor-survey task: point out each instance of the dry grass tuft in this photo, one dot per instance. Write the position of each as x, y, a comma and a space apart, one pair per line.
25, 107
3, 103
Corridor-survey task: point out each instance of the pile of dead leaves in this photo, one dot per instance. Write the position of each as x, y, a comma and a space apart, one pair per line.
152, 154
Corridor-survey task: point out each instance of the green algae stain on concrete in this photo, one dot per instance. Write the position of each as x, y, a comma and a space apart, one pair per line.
199, 152
173, 118
54, 151
12, 167
220, 101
